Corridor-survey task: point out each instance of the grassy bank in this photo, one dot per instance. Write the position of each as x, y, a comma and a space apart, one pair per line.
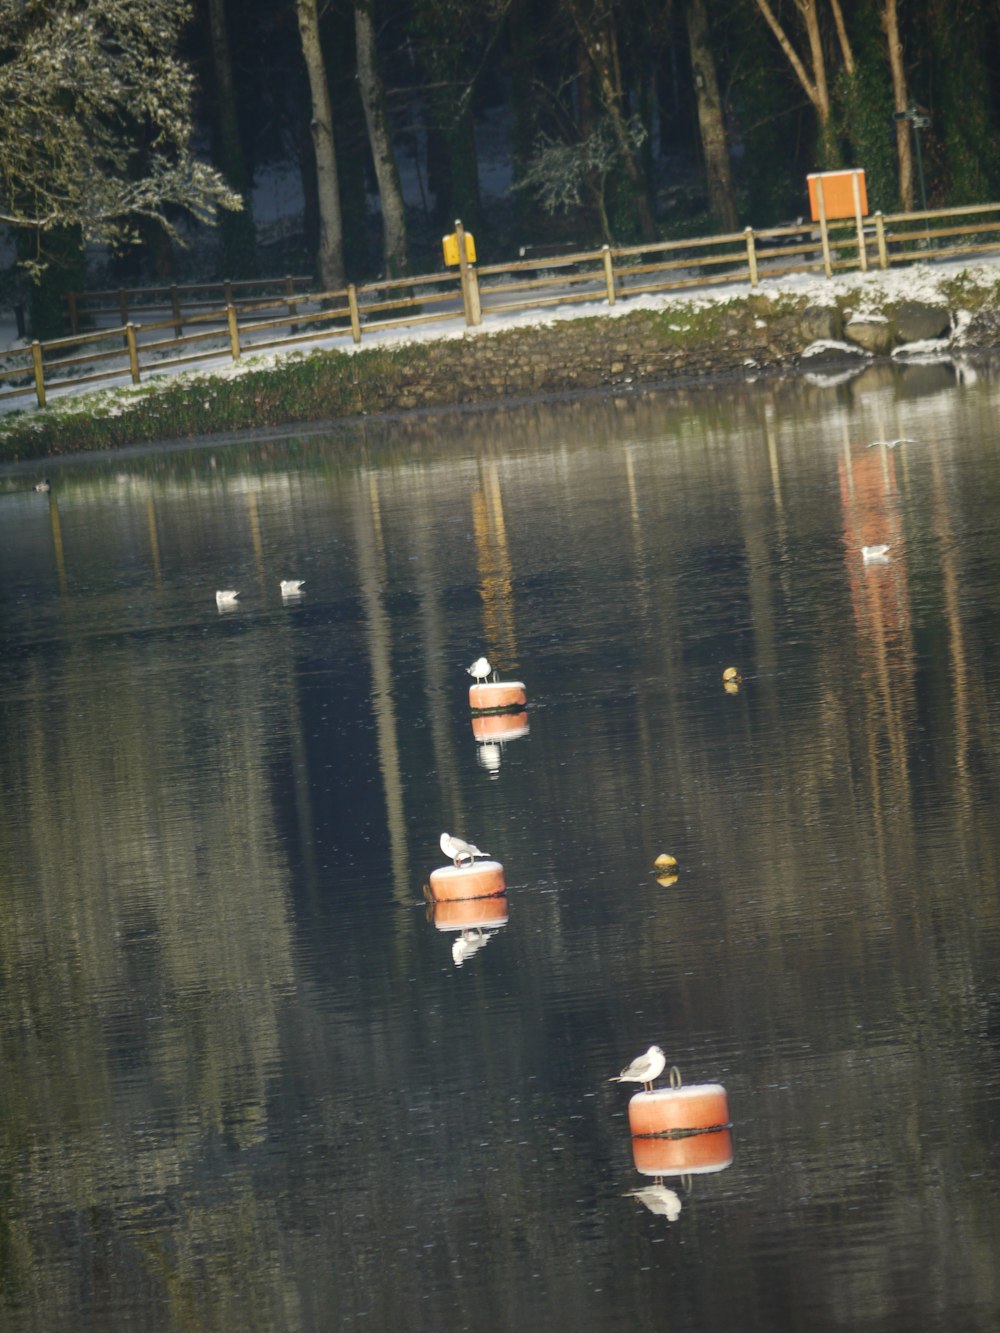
680, 339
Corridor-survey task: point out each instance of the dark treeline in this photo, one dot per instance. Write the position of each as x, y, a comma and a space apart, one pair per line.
613, 121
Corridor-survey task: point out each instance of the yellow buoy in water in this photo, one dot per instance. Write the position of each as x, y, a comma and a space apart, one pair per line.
665, 863
731, 675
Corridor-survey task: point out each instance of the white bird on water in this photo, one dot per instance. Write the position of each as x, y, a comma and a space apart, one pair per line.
226, 597
460, 851
874, 554
644, 1069
480, 669
292, 587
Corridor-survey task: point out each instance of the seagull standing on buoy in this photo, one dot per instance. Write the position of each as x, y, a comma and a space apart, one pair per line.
459, 851
480, 669
644, 1069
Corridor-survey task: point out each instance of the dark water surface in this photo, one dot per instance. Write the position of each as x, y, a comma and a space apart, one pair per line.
244, 1083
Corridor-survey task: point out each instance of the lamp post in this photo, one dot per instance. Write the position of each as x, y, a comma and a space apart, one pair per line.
919, 121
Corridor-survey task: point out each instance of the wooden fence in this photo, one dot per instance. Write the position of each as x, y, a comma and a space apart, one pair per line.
185, 325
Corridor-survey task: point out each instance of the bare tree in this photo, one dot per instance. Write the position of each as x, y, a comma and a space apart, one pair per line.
900, 100
394, 242
330, 260
811, 70
711, 123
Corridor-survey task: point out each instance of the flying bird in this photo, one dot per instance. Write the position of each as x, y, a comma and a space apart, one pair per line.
460, 851
872, 554
644, 1069
226, 597
292, 587
892, 444
480, 669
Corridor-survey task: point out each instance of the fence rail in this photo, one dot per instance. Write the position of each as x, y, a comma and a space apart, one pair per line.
107, 344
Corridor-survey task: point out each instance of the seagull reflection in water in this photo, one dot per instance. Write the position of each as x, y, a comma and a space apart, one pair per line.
468, 943
660, 1199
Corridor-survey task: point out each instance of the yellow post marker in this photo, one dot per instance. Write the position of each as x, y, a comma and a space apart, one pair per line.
460, 248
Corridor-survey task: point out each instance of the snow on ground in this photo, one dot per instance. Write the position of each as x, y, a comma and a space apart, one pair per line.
864, 293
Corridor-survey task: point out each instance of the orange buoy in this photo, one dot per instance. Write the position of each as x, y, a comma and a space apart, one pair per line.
692, 1155
478, 879
495, 694
470, 913
499, 726
691, 1106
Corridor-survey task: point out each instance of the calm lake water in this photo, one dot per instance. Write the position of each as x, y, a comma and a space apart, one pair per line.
248, 1080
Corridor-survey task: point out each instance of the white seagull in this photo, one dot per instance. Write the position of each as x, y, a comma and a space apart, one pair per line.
292, 587
460, 851
892, 444
480, 669
644, 1069
874, 554
226, 597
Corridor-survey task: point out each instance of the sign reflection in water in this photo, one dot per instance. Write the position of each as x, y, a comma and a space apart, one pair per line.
245, 1086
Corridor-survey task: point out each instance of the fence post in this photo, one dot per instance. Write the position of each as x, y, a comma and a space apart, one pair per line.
751, 255
122, 308
234, 331
175, 305
36, 357
883, 253
74, 322
467, 276
609, 273
227, 291
133, 351
824, 235
352, 302
862, 244
292, 305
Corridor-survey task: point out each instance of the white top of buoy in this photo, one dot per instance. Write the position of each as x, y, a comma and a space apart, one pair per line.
685, 1090
470, 868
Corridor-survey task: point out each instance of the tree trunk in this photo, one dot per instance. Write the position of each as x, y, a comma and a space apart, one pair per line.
814, 85
330, 260
386, 172
904, 150
236, 229
600, 48
711, 123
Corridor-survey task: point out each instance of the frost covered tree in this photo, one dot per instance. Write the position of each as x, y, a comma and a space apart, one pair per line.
95, 122
562, 175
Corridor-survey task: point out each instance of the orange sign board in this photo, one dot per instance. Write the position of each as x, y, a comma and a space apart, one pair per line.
844, 194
